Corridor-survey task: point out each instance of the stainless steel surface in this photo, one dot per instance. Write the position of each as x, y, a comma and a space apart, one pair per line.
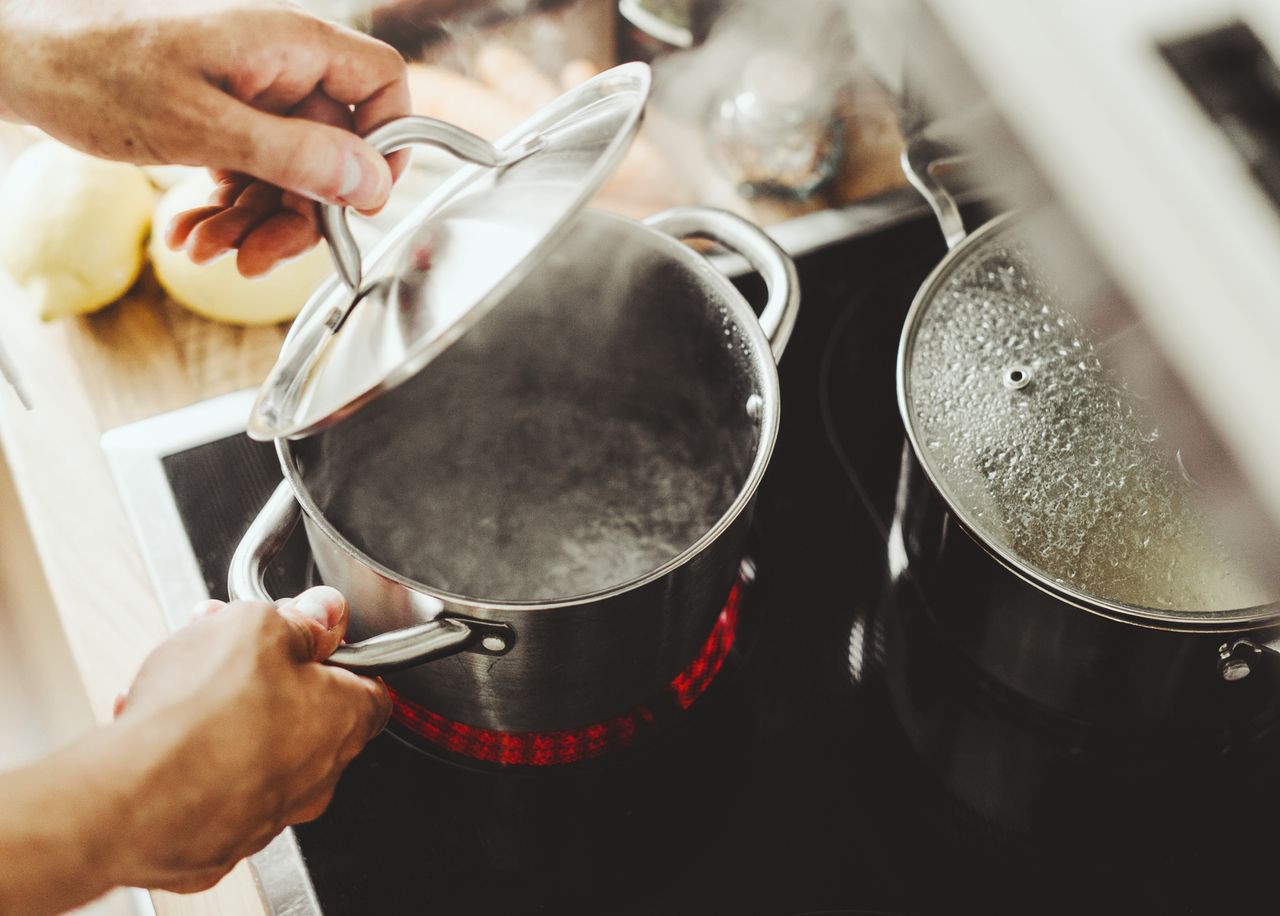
641, 632
388, 138
459, 253
134, 451
921, 157
266, 535
1086, 659
389, 652
1160, 177
377, 655
1181, 247
135, 454
1072, 662
975, 246
1238, 658
778, 318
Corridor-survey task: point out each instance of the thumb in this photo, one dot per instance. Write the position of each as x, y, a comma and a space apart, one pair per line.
318, 161
324, 611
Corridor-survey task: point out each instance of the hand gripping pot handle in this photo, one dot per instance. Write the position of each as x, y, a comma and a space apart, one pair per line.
396, 135
379, 654
778, 317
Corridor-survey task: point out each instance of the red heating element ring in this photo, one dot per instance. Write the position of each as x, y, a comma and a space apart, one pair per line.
550, 748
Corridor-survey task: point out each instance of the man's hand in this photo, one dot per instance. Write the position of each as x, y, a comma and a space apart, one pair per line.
231, 732
263, 94
242, 734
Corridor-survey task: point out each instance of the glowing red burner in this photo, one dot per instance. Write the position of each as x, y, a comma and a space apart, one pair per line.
547, 748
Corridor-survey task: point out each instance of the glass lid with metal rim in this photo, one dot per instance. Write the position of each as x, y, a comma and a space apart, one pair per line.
383, 317
1045, 453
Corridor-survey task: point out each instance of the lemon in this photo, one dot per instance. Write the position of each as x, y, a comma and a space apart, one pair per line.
217, 290
72, 227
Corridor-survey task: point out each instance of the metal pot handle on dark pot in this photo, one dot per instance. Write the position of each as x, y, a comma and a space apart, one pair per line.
445, 636
920, 158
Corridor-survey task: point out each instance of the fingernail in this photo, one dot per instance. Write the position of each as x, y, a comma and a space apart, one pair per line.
364, 185
352, 175
321, 603
203, 257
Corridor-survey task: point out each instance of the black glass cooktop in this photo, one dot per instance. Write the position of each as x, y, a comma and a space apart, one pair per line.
790, 786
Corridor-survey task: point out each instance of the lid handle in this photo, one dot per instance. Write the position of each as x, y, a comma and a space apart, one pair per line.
395, 135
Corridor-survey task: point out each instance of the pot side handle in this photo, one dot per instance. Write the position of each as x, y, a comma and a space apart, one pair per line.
778, 317
921, 157
1238, 657
377, 655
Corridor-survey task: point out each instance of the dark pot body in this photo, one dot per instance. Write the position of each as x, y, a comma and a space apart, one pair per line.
1070, 662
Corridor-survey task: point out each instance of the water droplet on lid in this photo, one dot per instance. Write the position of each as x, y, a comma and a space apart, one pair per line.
1064, 473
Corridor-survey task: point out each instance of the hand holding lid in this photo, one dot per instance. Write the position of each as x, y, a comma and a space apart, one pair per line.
385, 316
396, 135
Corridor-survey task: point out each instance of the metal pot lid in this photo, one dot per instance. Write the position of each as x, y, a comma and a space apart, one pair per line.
1044, 453
452, 259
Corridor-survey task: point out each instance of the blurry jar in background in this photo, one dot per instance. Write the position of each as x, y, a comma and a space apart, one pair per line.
775, 130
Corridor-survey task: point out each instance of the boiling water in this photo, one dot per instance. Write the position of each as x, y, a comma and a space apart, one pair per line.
570, 442
1064, 471
557, 499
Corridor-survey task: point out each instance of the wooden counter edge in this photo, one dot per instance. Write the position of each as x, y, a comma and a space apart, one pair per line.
87, 550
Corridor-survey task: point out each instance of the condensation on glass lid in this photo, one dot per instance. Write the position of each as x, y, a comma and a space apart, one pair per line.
1046, 452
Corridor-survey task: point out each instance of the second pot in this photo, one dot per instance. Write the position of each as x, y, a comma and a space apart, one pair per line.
1042, 526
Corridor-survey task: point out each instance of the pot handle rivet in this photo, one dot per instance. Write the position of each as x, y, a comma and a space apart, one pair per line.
1236, 660
1235, 670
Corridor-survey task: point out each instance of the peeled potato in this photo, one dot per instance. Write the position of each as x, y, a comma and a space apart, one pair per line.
217, 290
72, 227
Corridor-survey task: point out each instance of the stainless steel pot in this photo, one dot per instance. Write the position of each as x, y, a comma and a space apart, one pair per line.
617, 315
1025, 604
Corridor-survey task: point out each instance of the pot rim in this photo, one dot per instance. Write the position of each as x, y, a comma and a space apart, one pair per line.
1152, 618
769, 389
